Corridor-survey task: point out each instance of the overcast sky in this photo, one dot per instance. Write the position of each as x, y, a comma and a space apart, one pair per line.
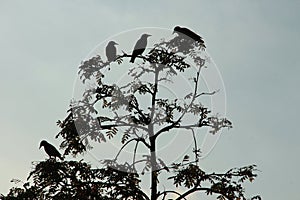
255, 45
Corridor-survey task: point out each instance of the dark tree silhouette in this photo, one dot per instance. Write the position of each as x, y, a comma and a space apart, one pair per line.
137, 112
78, 181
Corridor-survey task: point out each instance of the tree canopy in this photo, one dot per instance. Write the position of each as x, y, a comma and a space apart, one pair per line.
138, 112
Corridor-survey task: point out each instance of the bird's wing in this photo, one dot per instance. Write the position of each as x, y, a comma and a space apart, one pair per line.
53, 151
191, 34
111, 52
140, 44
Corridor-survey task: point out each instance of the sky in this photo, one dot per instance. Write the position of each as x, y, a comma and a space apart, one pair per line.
255, 45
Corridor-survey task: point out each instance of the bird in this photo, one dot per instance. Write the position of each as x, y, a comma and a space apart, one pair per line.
50, 149
139, 47
111, 51
182, 31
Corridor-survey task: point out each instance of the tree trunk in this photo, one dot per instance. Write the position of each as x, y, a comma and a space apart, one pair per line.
154, 170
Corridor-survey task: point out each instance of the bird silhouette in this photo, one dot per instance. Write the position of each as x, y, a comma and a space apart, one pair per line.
50, 149
111, 51
139, 47
185, 32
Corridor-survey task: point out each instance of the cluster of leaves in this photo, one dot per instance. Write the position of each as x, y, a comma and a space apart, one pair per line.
77, 180
217, 124
227, 185
165, 58
184, 45
80, 124
169, 109
70, 132
91, 67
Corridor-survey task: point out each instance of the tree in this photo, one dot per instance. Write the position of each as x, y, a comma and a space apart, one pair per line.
137, 112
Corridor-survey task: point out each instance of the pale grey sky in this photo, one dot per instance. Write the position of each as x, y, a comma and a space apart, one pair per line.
254, 43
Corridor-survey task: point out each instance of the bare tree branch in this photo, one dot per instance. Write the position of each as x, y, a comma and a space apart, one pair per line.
134, 139
169, 191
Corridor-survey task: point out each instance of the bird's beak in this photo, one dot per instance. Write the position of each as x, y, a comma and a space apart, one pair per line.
148, 35
173, 32
40, 146
116, 43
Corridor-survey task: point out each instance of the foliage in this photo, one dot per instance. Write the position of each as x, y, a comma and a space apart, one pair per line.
140, 122
77, 180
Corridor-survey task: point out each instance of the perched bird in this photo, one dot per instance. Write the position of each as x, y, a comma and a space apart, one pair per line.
111, 51
139, 47
181, 31
50, 149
